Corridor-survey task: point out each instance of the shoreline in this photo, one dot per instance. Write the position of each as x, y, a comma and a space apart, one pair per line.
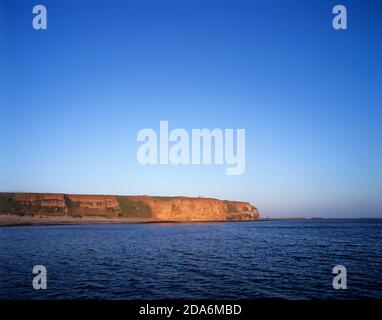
25, 221
22, 221
29, 221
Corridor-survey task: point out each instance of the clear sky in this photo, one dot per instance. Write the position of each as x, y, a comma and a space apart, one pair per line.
74, 96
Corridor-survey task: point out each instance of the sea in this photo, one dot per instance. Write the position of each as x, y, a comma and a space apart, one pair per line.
291, 259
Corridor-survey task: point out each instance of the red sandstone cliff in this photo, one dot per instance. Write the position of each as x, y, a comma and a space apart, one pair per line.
155, 208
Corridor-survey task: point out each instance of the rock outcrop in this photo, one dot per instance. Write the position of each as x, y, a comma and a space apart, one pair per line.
110, 206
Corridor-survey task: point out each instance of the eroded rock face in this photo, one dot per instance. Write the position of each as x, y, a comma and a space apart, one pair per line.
186, 209
93, 202
155, 208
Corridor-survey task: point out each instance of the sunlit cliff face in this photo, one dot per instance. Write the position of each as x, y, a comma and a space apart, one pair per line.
155, 208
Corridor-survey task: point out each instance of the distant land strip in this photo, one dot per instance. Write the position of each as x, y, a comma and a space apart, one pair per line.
58, 208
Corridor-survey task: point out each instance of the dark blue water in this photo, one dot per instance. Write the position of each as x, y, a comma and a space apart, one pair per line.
248, 260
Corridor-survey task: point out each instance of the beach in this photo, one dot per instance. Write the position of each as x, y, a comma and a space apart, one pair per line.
14, 220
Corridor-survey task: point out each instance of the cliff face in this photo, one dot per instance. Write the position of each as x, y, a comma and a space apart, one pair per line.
155, 208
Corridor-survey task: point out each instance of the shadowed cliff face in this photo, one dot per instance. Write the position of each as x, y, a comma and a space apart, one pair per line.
155, 208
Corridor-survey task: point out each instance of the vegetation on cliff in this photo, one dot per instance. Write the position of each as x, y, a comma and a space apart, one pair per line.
133, 208
9, 205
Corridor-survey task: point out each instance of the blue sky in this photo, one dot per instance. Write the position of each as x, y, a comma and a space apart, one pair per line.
74, 96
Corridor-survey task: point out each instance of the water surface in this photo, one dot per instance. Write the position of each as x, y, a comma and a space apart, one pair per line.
240, 260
